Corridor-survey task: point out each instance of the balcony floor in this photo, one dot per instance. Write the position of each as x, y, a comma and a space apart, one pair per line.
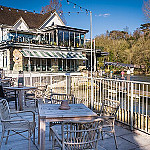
126, 140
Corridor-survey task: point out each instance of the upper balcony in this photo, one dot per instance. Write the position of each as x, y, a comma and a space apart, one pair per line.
61, 36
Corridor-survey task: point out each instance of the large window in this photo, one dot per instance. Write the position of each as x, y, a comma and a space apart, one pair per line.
76, 39
60, 38
48, 64
43, 64
55, 37
60, 64
82, 40
38, 64
32, 64
66, 38
72, 39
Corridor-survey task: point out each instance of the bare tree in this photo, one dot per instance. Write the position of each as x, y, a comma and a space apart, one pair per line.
54, 5
146, 9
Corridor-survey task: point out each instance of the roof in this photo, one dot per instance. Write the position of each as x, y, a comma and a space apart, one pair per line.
65, 28
9, 16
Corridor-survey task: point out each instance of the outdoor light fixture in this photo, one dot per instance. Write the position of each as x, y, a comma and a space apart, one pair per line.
69, 13
74, 6
81, 8
60, 13
68, 1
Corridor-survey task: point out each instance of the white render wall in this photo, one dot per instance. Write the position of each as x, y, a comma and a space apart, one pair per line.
20, 25
52, 20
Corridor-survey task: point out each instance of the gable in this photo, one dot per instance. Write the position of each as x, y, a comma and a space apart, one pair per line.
52, 20
21, 25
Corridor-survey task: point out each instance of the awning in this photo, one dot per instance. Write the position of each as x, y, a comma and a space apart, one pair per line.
52, 54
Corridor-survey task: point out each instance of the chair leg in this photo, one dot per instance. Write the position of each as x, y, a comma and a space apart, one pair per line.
50, 132
2, 138
102, 135
29, 137
115, 140
53, 142
7, 136
34, 136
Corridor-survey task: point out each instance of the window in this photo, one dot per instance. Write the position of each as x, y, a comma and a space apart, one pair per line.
72, 39
66, 38
60, 38
82, 40
76, 39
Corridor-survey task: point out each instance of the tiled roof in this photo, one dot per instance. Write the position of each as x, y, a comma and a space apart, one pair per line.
9, 16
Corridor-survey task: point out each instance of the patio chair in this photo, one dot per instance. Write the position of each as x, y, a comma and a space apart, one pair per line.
18, 126
57, 98
33, 97
8, 95
77, 135
108, 112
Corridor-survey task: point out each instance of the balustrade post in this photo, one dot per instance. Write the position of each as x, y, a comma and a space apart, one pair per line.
68, 83
131, 120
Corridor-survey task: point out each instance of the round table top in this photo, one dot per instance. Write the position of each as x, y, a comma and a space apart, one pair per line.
20, 88
3, 80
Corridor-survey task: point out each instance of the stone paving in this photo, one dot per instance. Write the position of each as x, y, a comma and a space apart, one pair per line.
126, 140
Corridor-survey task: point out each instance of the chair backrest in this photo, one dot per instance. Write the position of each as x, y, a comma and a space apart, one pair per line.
6, 84
81, 134
57, 98
109, 107
4, 110
2, 95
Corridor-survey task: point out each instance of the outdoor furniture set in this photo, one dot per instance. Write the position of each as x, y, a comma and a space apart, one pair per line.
72, 126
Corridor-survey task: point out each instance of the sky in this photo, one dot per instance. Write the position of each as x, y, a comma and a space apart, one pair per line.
106, 14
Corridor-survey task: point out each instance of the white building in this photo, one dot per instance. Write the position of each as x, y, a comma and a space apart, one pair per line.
39, 42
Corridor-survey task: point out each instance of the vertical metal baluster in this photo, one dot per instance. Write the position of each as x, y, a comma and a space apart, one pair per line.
120, 102
143, 109
131, 120
96, 106
100, 93
135, 124
139, 115
146, 107
125, 101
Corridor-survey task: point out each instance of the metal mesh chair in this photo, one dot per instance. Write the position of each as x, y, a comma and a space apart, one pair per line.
9, 95
108, 113
32, 98
17, 126
77, 135
57, 98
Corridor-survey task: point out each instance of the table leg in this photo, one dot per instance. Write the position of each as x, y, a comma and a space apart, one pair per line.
38, 130
42, 134
20, 100
16, 100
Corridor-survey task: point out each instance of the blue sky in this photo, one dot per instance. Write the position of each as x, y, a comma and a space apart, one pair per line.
106, 14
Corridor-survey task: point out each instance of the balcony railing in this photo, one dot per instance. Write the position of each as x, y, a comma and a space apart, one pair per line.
134, 96
39, 42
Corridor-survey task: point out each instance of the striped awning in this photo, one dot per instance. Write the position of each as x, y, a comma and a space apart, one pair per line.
52, 54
